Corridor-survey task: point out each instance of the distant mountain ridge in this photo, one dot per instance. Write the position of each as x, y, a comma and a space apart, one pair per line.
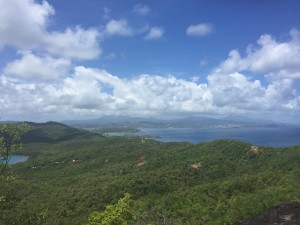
187, 122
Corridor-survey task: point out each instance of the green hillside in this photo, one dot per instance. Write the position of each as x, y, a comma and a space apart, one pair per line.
51, 132
73, 173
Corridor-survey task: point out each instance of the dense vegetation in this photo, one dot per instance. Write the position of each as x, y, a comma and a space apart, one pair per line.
10, 136
72, 173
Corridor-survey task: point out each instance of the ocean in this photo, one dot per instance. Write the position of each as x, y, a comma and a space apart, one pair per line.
264, 136
17, 159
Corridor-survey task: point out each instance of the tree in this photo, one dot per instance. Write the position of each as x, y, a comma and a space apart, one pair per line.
10, 137
118, 214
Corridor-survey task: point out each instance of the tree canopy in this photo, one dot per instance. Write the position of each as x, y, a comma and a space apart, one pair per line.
117, 214
68, 178
10, 137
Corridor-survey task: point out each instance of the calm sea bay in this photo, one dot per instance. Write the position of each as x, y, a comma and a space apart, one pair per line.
265, 136
17, 159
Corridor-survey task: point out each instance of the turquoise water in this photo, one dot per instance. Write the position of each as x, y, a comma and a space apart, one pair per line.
17, 159
265, 136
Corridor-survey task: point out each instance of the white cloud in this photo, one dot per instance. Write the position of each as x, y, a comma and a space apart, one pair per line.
279, 62
24, 25
74, 43
270, 54
195, 78
85, 93
15, 98
118, 27
94, 92
283, 74
155, 33
33, 67
201, 29
23, 22
236, 92
275, 60
141, 9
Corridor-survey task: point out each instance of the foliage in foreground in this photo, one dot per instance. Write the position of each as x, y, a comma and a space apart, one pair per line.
10, 136
118, 214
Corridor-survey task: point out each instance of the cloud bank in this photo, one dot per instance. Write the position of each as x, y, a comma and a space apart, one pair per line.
95, 92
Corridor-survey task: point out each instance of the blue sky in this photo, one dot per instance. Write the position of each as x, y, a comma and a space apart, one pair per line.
88, 58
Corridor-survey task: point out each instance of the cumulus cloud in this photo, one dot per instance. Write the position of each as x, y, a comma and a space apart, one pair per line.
74, 43
85, 92
24, 25
94, 92
239, 94
141, 9
271, 54
201, 29
133, 96
31, 66
118, 27
275, 60
155, 33
235, 91
23, 22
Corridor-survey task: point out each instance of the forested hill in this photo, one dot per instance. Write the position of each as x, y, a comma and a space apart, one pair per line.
77, 173
51, 132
